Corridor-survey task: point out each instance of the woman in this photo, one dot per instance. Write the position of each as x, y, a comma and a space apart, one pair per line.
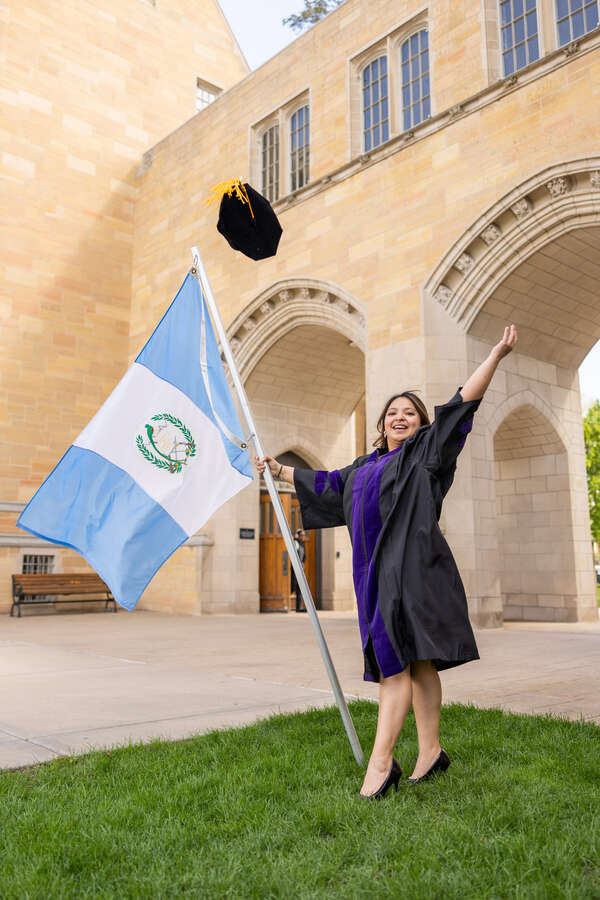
412, 606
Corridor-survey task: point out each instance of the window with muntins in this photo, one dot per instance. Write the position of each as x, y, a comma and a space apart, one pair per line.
416, 98
519, 33
205, 94
575, 18
299, 148
270, 163
376, 115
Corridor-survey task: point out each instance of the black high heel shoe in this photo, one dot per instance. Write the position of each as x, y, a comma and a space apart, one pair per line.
393, 778
440, 765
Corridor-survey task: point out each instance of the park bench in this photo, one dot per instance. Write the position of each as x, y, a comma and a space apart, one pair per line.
40, 588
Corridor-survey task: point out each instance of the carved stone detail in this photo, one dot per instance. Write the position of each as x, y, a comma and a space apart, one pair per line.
522, 208
558, 186
571, 48
511, 81
235, 344
344, 306
249, 324
443, 295
409, 135
464, 263
323, 297
595, 179
304, 294
491, 234
266, 308
455, 110
284, 296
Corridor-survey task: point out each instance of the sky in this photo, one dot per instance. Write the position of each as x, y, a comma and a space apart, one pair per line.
262, 36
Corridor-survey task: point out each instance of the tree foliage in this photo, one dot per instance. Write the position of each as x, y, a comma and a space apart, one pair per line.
591, 435
313, 12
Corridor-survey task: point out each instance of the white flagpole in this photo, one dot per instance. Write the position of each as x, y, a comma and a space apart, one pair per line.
200, 273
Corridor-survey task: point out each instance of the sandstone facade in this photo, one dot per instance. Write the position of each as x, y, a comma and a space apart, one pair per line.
398, 268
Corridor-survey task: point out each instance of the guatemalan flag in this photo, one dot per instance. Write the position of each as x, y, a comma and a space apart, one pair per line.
160, 456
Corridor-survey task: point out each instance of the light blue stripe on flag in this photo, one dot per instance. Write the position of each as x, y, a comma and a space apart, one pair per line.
95, 507
173, 353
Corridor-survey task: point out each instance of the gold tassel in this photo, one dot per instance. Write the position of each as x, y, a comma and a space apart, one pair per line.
235, 186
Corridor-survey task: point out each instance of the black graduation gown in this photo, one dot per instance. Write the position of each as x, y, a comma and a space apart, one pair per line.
411, 600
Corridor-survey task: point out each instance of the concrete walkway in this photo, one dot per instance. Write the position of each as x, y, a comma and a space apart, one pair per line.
71, 681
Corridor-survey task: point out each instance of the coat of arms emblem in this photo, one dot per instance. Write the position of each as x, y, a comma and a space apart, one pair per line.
168, 444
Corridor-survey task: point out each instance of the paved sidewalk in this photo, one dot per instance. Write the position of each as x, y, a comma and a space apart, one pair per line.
70, 682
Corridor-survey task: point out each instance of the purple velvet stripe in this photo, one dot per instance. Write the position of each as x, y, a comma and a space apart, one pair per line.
389, 663
385, 653
365, 580
335, 482
320, 482
359, 563
464, 428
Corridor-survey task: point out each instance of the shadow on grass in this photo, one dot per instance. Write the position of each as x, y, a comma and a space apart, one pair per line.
272, 810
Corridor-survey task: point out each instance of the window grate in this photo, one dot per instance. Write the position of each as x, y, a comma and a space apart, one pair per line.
34, 564
416, 98
270, 164
575, 18
376, 120
519, 34
299, 148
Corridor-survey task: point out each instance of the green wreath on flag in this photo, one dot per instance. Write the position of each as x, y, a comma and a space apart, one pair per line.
163, 460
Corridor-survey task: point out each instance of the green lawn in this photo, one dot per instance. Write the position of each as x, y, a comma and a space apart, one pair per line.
272, 811
598, 592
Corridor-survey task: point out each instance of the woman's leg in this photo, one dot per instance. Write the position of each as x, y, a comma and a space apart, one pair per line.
395, 697
427, 701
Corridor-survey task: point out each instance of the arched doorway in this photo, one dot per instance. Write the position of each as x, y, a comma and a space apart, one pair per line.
307, 392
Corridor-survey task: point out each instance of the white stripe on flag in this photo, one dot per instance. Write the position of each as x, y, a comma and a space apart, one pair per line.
206, 480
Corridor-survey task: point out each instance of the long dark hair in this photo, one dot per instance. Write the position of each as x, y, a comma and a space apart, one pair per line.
381, 441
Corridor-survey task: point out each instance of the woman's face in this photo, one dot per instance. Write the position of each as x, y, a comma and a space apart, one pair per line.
401, 421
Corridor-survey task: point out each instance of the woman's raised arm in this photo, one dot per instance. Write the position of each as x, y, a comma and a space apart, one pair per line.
475, 387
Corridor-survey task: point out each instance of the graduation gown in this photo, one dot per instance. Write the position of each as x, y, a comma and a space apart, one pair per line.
411, 600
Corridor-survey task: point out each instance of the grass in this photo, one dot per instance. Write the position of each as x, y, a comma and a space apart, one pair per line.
598, 593
272, 811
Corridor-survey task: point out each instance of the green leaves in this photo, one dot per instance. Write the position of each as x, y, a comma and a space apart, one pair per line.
313, 12
591, 435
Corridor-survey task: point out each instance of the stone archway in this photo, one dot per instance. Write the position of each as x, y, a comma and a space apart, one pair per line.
300, 348
289, 304
533, 258
533, 516
539, 212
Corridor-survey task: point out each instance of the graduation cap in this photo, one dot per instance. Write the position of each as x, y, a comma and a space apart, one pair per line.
246, 219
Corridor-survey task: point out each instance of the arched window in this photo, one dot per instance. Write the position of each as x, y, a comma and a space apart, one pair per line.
270, 163
299, 148
416, 100
519, 29
575, 18
376, 115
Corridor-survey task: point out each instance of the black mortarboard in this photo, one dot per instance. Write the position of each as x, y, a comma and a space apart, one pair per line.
247, 220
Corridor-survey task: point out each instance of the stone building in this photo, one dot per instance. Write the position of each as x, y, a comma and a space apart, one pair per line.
436, 171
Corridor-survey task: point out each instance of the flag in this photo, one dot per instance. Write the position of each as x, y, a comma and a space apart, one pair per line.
155, 462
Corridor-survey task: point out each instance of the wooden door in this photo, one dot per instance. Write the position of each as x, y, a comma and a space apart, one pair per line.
274, 561
275, 567
310, 563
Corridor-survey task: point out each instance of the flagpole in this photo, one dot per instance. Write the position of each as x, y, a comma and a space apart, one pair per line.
200, 273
